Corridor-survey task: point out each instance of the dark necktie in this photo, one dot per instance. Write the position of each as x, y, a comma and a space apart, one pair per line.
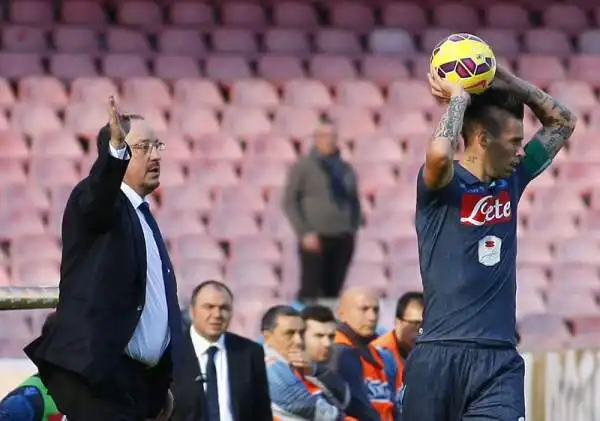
212, 389
175, 325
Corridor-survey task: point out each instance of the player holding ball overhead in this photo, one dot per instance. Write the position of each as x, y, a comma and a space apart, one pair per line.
465, 365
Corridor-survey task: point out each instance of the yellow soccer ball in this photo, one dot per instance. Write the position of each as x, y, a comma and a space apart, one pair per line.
466, 59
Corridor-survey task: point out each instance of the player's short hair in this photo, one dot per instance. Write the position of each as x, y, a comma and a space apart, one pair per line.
318, 313
103, 136
272, 315
490, 109
405, 300
213, 282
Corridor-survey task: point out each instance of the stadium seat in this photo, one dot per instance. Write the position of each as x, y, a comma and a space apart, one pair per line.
67, 66
12, 171
75, 39
194, 122
396, 199
181, 42
306, 93
34, 119
244, 14
408, 16
175, 223
531, 278
56, 144
147, 90
265, 173
175, 67
367, 273
403, 250
404, 277
391, 41
337, 41
577, 303
46, 91
14, 197
192, 14
506, 16
212, 174
295, 122
245, 122
455, 15
294, 14
544, 41
193, 92
121, 66
187, 197
539, 330
576, 94
279, 69
52, 172
383, 70
561, 199
120, 40
541, 70
31, 12
139, 14
35, 248
41, 273
368, 250
580, 250
197, 246
403, 124
582, 67
19, 223
256, 248
23, 39
227, 69
358, 93
330, 69
271, 146
432, 36
81, 12
355, 16
377, 148
256, 93
192, 272
352, 122
238, 41
13, 146
389, 226
228, 224
565, 17
217, 147
276, 225
504, 42
286, 41
411, 95
16, 65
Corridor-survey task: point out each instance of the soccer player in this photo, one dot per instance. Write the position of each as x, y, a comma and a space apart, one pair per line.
465, 365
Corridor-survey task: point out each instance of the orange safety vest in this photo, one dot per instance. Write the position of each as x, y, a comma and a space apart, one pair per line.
312, 388
389, 342
378, 388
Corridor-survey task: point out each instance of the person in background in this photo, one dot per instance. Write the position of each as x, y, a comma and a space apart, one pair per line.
322, 203
117, 337
358, 362
30, 401
224, 376
300, 389
395, 345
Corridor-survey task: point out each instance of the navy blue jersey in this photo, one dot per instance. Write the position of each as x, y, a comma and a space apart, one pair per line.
467, 253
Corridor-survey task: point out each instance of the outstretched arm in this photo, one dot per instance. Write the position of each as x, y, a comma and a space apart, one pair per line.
439, 166
557, 120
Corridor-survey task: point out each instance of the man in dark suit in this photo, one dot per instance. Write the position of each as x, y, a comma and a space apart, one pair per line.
224, 377
117, 335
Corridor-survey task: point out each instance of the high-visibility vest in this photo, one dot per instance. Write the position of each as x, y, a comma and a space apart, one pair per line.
389, 342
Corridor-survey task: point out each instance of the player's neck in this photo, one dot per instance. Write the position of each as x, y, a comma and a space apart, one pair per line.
475, 165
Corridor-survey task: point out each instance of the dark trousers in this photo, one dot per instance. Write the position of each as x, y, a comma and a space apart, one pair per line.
132, 392
323, 273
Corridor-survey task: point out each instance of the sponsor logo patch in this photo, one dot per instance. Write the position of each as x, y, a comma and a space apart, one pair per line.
489, 250
479, 210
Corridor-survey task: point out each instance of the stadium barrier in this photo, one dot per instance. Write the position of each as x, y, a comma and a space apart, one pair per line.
559, 386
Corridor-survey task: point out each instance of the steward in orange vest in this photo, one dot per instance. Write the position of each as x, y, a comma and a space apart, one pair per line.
388, 343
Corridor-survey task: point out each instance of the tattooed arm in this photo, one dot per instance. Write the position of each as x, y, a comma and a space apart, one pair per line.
557, 120
439, 165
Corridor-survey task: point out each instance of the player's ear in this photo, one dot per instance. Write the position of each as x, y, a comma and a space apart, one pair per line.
482, 138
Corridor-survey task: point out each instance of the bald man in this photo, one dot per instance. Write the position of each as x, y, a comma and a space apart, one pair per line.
358, 362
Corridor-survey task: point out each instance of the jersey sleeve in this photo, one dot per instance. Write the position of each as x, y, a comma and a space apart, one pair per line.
426, 196
23, 404
534, 162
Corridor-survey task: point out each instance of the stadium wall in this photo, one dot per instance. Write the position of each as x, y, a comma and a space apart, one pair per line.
559, 386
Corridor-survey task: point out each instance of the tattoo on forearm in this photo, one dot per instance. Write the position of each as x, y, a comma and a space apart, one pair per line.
451, 122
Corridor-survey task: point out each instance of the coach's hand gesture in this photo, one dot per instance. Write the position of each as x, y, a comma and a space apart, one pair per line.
117, 133
444, 90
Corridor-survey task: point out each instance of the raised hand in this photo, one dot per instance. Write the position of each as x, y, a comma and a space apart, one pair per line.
117, 133
444, 90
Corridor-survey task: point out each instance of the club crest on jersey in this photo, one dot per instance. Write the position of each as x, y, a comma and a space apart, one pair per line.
479, 209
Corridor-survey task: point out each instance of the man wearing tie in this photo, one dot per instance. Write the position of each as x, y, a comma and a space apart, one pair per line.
117, 337
224, 376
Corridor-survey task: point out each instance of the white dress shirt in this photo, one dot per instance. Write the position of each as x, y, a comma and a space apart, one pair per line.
201, 346
151, 336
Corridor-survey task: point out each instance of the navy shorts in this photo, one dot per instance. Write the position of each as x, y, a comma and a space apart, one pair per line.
463, 382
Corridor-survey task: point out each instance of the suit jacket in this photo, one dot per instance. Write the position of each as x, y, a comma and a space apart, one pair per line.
103, 278
247, 381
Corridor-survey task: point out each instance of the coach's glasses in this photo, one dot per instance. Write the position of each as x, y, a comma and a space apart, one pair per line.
146, 147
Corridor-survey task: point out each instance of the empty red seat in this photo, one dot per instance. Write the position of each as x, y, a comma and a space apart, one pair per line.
227, 69
337, 41
369, 250
391, 41
252, 276
306, 93
52, 172
31, 12
504, 42
12, 171
186, 197
390, 226
279, 69
367, 274
330, 69
75, 39
583, 67
540, 70
294, 14
276, 225
16, 65
34, 119
234, 41
148, 90
264, 173
356, 16
404, 124
219, 147
23, 39
20, 196
581, 250
7, 97
359, 93
171, 174
238, 13
46, 90
405, 15
455, 15
254, 93
383, 70
81, 12
70, 66
552, 225
373, 176
233, 198
192, 13
432, 36
213, 173
560, 199
352, 123
94, 90
543, 329
576, 94
122, 66
13, 145
175, 223
191, 272
286, 41
404, 277
175, 67
395, 199
507, 16
255, 248
533, 251
35, 248
411, 95
85, 119
547, 42
123, 40
573, 304
295, 122
193, 92
228, 225
181, 41
56, 144
588, 41
585, 324
139, 13
377, 149
194, 122
19, 223
565, 17
532, 278
197, 246
271, 146
41, 273
244, 122
583, 173
403, 250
